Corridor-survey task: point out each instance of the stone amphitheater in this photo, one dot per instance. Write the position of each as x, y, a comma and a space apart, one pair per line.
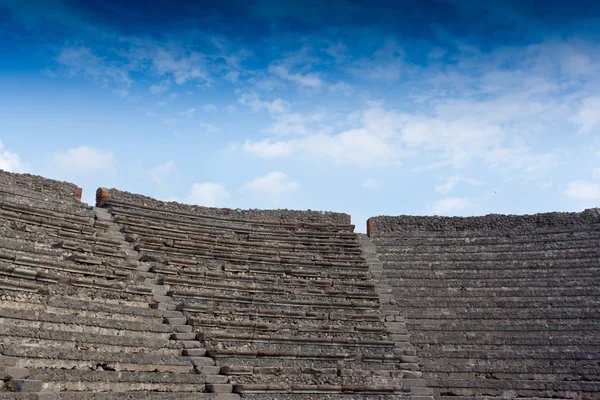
142, 299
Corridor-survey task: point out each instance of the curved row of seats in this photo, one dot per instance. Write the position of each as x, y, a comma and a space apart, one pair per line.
75, 321
287, 310
497, 314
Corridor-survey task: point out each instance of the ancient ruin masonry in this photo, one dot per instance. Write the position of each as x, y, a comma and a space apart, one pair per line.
142, 299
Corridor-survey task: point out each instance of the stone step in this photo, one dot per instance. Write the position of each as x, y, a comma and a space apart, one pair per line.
465, 313
89, 310
409, 305
21, 335
499, 353
279, 289
223, 298
523, 293
435, 284
105, 326
48, 223
490, 265
158, 235
514, 338
299, 279
39, 211
257, 270
291, 327
541, 234
539, 255
154, 250
48, 267
195, 220
324, 389
149, 239
244, 375
89, 359
473, 274
565, 389
11, 195
587, 370
59, 380
305, 341
367, 318
507, 325
143, 395
475, 246
330, 396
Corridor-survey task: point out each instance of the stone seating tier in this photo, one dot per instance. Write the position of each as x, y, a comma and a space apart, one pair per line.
498, 306
147, 299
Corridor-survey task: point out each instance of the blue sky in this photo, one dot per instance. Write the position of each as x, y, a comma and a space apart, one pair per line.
403, 107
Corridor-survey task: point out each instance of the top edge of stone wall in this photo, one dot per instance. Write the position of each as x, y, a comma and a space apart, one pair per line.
39, 187
382, 225
282, 215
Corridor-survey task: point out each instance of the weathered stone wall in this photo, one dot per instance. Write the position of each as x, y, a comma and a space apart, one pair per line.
383, 225
39, 187
253, 214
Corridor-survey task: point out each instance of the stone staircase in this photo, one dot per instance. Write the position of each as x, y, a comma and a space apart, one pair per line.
81, 317
284, 309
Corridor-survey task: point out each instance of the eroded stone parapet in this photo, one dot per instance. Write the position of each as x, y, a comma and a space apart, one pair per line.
102, 194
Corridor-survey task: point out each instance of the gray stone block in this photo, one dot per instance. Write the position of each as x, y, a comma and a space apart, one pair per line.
26, 385
219, 388
16, 373
202, 361
194, 352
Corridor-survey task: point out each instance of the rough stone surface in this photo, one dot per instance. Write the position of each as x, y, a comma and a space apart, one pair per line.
142, 299
41, 187
407, 224
254, 214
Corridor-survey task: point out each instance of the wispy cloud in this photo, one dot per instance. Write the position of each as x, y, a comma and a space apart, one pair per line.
85, 159
9, 161
583, 190
253, 101
209, 194
162, 172
81, 61
453, 181
272, 186
450, 205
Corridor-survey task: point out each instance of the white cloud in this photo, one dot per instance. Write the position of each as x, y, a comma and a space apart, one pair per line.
342, 87
81, 61
161, 172
208, 127
583, 190
588, 115
453, 181
356, 147
187, 112
160, 87
449, 205
252, 100
232, 76
310, 80
231, 108
209, 108
272, 185
208, 194
10, 162
268, 149
85, 159
371, 184
182, 65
